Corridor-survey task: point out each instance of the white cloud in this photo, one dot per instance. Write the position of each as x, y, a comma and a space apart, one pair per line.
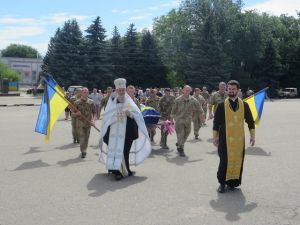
277, 7
170, 4
42, 47
59, 18
12, 20
56, 18
124, 11
14, 29
137, 18
140, 17
17, 32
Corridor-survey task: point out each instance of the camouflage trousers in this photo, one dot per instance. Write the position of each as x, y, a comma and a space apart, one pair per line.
84, 134
164, 136
197, 125
151, 131
74, 129
205, 112
183, 129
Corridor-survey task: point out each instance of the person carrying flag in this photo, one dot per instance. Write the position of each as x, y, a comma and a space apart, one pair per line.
229, 137
85, 107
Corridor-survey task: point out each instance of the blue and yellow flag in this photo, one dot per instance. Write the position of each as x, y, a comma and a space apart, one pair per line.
256, 104
53, 104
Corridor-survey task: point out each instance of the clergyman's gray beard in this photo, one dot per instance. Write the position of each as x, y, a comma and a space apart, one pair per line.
121, 99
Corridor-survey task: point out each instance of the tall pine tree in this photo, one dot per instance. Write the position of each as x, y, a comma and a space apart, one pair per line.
98, 69
208, 63
132, 57
153, 71
65, 59
116, 54
270, 68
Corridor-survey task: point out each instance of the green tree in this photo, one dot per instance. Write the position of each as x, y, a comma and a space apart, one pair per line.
7, 72
98, 67
270, 68
208, 63
65, 58
153, 71
21, 51
172, 34
116, 54
131, 54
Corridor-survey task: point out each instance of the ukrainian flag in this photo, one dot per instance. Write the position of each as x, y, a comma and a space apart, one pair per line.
256, 104
53, 104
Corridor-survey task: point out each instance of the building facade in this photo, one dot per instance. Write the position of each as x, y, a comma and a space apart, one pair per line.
28, 68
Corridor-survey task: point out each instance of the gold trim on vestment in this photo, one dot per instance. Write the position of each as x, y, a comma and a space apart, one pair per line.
252, 133
235, 139
215, 134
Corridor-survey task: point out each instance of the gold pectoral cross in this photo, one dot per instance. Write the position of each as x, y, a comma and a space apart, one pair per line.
120, 116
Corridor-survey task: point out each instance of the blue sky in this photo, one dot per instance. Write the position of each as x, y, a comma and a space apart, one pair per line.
33, 22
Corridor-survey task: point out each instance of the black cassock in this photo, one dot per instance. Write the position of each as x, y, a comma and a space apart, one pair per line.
220, 126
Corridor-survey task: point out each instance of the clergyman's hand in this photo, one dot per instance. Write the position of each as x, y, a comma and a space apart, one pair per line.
216, 142
127, 112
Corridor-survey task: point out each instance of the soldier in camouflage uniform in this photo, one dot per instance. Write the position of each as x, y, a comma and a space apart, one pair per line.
198, 117
206, 96
216, 98
73, 99
165, 106
85, 108
105, 99
131, 93
182, 112
152, 101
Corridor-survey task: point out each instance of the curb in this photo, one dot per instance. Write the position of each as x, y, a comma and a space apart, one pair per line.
13, 105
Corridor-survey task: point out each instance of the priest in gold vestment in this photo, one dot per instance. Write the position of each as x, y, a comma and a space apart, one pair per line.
229, 137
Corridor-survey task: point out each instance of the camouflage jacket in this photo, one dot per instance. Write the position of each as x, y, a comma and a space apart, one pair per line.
184, 108
165, 106
152, 102
217, 98
87, 109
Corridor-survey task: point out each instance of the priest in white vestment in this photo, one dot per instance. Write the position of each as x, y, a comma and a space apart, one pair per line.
124, 139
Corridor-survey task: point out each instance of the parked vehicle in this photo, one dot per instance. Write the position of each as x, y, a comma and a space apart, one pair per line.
288, 93
71, 89
35, 90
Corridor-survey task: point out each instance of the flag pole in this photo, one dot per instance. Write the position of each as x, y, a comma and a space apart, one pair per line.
73, 107
264, 89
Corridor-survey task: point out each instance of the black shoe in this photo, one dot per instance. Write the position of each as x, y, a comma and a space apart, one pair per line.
83, 155
78, 141
181, 152
221, 188
119, 176
74, 141
230, 187
131, 173
196, 137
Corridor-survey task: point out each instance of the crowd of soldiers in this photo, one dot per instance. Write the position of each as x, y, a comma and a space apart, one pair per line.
180, 106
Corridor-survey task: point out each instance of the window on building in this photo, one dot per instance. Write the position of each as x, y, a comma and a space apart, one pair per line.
33, 75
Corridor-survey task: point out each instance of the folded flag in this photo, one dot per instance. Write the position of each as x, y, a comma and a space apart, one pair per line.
256, 104
53, 104
151, 116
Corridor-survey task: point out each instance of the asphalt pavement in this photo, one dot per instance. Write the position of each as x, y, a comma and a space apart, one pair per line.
49, 184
